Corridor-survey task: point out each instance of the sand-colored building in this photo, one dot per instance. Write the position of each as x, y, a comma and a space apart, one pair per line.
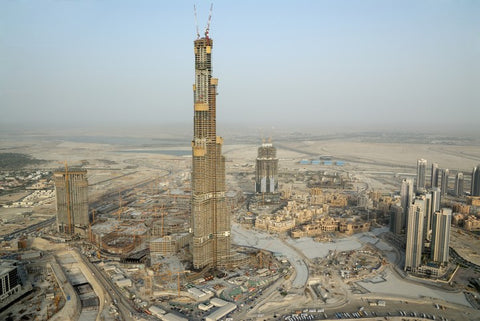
169, 244
320, 226
472, 223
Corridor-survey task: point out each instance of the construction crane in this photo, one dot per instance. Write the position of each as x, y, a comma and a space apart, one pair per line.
207, 29
196, 21
178, 279
120, 206
90, 226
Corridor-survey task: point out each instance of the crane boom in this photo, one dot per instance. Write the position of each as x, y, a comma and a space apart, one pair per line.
207, 29
196, 21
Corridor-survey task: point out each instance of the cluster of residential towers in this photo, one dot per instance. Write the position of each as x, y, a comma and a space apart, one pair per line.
425, 223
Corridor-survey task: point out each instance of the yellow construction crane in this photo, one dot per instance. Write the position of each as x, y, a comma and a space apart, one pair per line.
90, 235
120, 208
178, 279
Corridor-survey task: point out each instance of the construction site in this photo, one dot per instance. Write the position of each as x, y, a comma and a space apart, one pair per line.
137, 243
161, 229
71, 188
210, 221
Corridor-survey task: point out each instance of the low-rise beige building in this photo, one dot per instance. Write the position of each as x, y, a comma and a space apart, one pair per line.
328, 225
277, 224
472, 223
169, 244
350, 228
318, 227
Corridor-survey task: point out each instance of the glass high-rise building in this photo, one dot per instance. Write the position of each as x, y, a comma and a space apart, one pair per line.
475, 191
396, 217
459, 181
444, 182
406, 197
434, 175
415, 232
421, 171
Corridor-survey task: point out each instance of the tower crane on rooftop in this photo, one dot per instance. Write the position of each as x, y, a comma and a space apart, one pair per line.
207, 29
196, 21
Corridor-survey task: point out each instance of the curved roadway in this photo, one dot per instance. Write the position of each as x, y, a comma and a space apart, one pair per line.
272, 243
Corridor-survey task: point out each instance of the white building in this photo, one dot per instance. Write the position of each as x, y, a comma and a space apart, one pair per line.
441, 235
414, 248
9, 281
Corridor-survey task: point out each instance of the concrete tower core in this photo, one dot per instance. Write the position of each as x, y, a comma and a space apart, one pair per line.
210, 220
71, 188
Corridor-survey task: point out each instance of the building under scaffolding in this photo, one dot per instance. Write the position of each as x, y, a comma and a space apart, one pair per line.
210, 221
71, 188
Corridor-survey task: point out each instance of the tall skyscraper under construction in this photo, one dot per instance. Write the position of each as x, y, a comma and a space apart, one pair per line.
266, 169
71, 187
210, 220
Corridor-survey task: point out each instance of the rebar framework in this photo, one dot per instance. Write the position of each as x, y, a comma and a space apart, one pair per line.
71, 188
210, 222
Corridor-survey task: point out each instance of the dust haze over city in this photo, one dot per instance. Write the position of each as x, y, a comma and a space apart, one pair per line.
326, 164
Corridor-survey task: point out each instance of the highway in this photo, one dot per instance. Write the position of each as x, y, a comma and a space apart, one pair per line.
126, 308
28, 229
463, 261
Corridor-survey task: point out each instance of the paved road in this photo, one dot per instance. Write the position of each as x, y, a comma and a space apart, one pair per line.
28, 229
125, 307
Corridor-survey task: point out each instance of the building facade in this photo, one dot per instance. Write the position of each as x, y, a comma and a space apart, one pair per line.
475, 191
266, 169
406, 197
459, 184
9, 281
444, 182
210, 220
441, 235
71, 188
428, 198
421, 171
396, 215
414, 247
434, 175
436, 198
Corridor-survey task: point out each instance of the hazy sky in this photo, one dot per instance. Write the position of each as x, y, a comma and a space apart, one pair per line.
319, 62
